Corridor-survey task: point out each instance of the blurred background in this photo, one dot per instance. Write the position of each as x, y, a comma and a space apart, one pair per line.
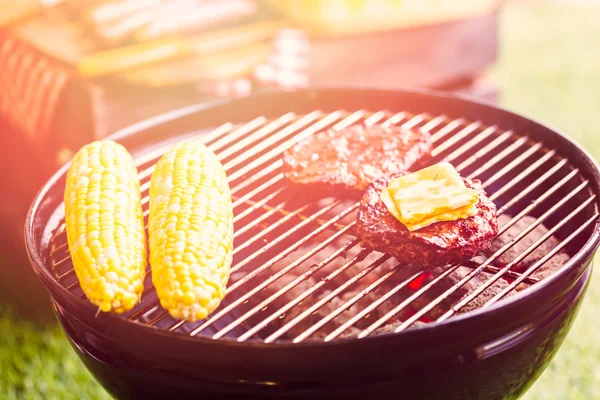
72, 71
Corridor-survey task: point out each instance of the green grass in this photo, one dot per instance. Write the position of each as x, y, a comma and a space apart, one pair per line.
548, 70
39, 363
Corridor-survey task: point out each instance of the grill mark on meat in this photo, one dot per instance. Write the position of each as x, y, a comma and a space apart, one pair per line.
343, 163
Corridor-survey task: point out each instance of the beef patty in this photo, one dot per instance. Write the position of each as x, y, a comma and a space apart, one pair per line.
345, 162
437, 244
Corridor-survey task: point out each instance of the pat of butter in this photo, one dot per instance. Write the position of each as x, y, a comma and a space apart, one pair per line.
433, 194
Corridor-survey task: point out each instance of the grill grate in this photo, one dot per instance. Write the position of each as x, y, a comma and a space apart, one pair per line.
294, 257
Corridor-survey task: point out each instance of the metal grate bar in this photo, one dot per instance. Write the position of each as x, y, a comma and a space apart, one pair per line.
536, 202
509, 274
469, 276
239, 132
66, 274
285, 235
452, 125
525, 173
511, 165
486, 133
543, 260
393, 120
327, 298
341, 124
455, 287
265, 216
157, 318
234, 135
408, 124
267, 185
363, 313
274, 226
143, 311
251, 154
463, 133
64, 246
233, 146
299, 299
500, 156
434, 123
512, 182
374, 118
273, 278
155, 154
406, 302
270, 245
315, 127
485, 150
256, 177
61, 262
414, 121
323, 321
214, 135
301, 217
521, 256
260, 203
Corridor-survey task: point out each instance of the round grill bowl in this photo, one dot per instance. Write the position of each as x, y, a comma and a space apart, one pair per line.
492, 352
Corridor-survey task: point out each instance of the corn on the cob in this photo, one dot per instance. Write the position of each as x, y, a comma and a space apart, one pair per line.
191, 231
105, 225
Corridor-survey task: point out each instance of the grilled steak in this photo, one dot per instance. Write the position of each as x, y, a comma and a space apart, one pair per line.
437, 244
344, 163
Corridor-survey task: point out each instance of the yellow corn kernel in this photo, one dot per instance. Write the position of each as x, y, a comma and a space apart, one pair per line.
105, 225
191, 231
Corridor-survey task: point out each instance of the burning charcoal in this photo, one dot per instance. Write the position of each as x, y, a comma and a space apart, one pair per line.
389, 328
337, 263
337, 210
450, 280
351, 332
292, 293
330, 307
550, 267
486, 296
357, 307
542, 272
524, 243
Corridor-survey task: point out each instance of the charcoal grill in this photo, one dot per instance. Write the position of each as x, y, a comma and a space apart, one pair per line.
258, 342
